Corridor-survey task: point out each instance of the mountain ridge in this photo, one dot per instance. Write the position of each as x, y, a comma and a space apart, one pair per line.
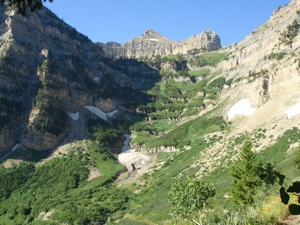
152, 44
234, 61
60, 74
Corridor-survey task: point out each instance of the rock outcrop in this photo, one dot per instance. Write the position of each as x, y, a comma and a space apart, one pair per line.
152, 44
264, 67
48, 70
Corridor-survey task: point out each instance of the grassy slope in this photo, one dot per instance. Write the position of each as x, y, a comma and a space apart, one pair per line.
176, 100
151, 205
61, 186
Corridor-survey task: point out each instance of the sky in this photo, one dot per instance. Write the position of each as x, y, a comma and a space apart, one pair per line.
121, 20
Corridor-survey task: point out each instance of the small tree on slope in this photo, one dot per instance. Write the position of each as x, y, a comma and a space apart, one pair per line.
246, 176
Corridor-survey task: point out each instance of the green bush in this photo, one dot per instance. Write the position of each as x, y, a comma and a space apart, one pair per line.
106, 136
188, 197
290, 33
277, 56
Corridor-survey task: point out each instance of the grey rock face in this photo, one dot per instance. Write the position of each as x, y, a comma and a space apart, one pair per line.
48, 70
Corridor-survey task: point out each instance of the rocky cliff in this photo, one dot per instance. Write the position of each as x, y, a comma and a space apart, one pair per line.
268, 59
48, 70
152, 44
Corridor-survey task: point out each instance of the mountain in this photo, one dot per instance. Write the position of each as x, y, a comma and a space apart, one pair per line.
152, 44
61, 75
166, 110
262, 69
265, 68
48, 70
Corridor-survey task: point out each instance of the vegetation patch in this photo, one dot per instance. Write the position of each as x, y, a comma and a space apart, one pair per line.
276, 56
290, 33
200, 73
209, 59
184, 134
61, 186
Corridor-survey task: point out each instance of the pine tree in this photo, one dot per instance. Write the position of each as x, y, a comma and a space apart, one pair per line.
246, 176
21, 6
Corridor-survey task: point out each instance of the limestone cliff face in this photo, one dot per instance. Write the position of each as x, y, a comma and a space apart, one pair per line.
265, 67
152, 44
207, 40
48, 70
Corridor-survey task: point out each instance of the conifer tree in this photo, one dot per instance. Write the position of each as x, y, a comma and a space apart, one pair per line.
245, 176
21, 6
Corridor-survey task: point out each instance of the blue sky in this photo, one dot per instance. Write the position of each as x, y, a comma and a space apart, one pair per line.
121, 20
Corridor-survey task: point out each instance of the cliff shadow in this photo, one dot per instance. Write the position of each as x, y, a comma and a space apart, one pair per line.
128, 81
142, 77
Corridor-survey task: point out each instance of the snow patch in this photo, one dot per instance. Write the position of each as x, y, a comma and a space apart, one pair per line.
153, 39
15, 147
74, 116
112, 113
134, 160
100, 113
130, 159
242, 107
96, 79
293, 111
97, 112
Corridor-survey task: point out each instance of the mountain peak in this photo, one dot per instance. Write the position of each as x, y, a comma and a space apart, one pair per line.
206, 36
150, 32
153, 35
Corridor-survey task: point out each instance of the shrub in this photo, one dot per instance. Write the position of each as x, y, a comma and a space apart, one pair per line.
290, 33
188, 197
277, 56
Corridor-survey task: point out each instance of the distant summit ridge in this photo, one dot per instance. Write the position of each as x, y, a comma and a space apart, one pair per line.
207, 35
152, 35
151, 44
